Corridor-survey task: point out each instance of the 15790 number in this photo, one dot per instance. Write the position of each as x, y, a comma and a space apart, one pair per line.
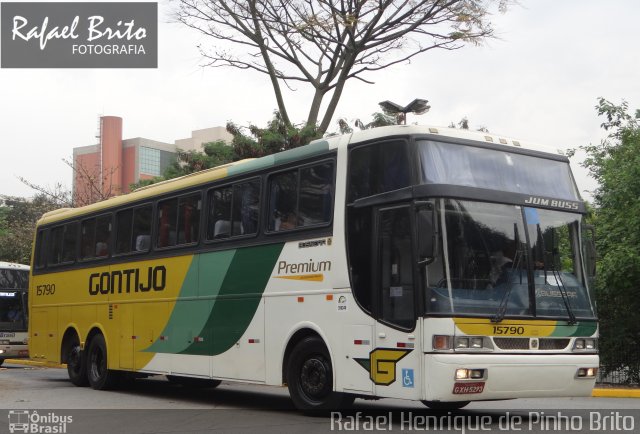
46, 289
508, 330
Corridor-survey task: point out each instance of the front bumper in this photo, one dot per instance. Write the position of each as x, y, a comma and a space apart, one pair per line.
508, 376
14, 351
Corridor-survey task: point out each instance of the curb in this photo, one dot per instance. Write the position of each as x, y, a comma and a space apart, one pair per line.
29, 362
616, 393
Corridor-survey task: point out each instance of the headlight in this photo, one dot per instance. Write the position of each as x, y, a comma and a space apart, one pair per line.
476, 343
585, 344
462, 343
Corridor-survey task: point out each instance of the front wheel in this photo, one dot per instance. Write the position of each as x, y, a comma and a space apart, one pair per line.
444, 405
310, 378
98, 374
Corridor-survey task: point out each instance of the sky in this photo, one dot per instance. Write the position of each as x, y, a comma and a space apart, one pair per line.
538, 81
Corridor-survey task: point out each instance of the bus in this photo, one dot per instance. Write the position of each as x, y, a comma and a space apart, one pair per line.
410, 262
14, 286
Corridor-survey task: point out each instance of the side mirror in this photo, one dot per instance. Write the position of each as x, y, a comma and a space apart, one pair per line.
425, 222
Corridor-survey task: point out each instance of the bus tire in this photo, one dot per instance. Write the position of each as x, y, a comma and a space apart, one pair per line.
76, 364
193, 382
446, 405
310, 378
98, 374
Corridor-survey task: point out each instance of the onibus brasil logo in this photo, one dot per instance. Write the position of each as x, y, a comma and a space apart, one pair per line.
30, 421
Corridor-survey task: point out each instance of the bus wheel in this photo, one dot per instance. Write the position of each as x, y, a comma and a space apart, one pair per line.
100, 377
444, 405
76, 365
193, 382
310, 378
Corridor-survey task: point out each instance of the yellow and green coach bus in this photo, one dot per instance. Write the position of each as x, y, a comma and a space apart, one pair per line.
411, 262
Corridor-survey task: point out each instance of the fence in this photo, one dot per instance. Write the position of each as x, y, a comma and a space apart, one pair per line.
620, 369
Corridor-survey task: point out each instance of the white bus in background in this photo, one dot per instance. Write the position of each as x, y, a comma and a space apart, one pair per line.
14, 286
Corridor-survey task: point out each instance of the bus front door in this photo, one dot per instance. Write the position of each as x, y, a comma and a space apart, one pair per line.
395, 360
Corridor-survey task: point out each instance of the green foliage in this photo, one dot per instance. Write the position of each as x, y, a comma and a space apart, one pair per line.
258, 142
18, 217
277, 137
615, 164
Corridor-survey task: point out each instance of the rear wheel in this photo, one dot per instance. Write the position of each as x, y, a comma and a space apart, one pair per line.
98, 374
76, 364
310, 378
445, 405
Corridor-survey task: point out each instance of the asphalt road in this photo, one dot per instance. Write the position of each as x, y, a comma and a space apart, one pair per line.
154, 405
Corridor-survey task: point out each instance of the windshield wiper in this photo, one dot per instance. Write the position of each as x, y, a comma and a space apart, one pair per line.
515, 265
556, 274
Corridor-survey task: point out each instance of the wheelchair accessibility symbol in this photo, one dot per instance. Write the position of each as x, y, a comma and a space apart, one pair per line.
407, 378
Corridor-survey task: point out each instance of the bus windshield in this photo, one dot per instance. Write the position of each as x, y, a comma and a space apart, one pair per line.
495, 259
13, 299
454, 164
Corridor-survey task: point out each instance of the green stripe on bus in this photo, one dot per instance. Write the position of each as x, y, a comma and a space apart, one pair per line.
189, 315
580, 329
315, 148
233, 282
238, 300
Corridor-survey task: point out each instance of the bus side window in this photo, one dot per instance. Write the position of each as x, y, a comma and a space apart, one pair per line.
95, 237
219, 221
124, 221
179, 221
283, 201
189, 219
40, 257
315, 198
246, 206
141, 241
378, 168
62, 248
167, 220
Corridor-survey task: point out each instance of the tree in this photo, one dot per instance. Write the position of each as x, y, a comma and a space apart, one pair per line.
18, 217
95, 187
324, 43
463, 124
247, 142
615, 164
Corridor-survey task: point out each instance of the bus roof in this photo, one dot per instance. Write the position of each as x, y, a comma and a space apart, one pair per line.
317, 147
457, 133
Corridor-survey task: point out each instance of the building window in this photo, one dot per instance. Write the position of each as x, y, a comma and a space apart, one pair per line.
149, 161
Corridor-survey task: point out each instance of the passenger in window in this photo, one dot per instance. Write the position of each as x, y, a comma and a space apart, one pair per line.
249, 210
287, 221
102, 248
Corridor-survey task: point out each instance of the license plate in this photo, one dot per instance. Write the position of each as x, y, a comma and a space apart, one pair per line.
467, 388
24, 353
